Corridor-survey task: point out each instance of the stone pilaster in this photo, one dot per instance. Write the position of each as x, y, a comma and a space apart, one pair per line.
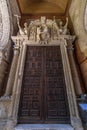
75, 75
10, 83
74, 115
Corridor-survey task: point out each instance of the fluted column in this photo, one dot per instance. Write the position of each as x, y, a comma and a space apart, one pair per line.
11, 78
75, 75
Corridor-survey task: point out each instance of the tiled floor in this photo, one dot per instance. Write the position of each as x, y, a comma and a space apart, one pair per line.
43, 127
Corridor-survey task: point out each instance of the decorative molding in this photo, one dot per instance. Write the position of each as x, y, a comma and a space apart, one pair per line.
4, 24
77, 13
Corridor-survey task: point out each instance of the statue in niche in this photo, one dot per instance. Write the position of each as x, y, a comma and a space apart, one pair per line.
63, 29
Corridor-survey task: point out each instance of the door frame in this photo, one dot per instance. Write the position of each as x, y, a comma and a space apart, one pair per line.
47, 120
74, 116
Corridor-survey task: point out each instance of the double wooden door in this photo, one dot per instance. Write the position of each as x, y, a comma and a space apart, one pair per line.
43, 92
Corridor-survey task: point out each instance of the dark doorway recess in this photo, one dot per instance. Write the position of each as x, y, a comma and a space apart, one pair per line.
43, 93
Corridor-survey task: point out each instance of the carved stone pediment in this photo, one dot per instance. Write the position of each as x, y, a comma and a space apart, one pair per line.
44, 30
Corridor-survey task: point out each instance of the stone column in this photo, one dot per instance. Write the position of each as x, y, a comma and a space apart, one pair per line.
75, 75
74, 115
18, 82
11, 78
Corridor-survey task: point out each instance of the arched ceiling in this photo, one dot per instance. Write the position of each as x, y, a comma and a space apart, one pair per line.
59, 7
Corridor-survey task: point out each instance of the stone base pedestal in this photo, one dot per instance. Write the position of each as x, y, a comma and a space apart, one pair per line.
78, 129
44, 127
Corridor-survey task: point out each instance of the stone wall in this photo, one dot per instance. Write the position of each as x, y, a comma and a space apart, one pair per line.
78, 15
77, 12
8, 27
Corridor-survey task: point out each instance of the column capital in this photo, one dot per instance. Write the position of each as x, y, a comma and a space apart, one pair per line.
70, 39
18, 42
70, 46
19, 38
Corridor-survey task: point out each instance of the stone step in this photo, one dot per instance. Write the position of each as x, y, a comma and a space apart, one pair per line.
44, 127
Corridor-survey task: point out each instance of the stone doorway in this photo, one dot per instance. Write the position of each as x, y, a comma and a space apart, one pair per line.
43, 94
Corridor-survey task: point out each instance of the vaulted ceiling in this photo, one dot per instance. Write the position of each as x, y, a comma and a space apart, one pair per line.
59, 7
31, 9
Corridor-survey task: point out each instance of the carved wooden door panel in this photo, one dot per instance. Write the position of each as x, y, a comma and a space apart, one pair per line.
55, 89
43, 93
31, 105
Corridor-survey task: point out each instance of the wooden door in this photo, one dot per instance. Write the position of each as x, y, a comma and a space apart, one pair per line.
43, 95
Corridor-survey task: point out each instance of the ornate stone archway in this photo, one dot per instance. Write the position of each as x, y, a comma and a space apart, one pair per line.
47, 37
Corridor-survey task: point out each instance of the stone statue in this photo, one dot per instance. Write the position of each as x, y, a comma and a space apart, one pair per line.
43, 34
43, 20
55, 29
21, 31
26, 28
32, 32
43, 31
38, 33
63, 29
